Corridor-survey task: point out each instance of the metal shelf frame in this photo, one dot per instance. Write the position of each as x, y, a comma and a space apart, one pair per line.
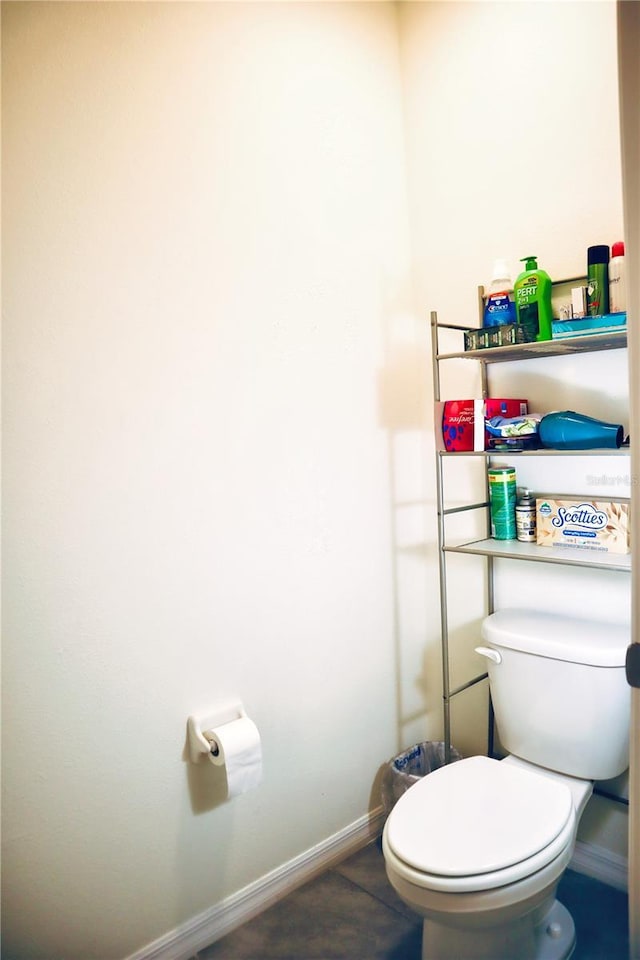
489, 548
586, 343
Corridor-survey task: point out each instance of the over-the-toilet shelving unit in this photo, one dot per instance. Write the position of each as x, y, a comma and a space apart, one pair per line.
506, 549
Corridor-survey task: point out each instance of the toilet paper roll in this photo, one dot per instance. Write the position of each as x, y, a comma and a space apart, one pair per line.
236, 746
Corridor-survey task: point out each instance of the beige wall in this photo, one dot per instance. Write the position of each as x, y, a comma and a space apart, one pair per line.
204, 231
218, 473
629, 69
512, 132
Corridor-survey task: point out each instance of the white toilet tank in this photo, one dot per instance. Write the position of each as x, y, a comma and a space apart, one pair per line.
559, 691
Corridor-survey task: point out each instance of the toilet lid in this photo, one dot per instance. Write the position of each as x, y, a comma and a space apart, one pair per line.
475, 816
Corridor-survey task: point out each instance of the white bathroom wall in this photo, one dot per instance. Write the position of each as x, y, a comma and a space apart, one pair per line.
204, 255
218, 475
512, 130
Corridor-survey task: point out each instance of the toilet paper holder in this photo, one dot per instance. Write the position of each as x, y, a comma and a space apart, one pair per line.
200, 724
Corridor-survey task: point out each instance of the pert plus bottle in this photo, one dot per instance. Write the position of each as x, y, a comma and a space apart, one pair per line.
533, 299
499, 307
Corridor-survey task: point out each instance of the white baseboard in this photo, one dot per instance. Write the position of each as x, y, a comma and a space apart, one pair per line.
600, 864
205, 928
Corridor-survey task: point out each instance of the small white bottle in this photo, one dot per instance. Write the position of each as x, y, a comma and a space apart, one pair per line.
617, 292
525, 516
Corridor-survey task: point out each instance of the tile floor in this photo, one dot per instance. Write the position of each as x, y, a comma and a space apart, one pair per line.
350, 912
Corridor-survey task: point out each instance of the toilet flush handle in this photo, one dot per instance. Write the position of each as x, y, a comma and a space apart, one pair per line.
489, 653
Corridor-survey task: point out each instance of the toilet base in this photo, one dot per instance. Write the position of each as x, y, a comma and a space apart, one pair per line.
551, 936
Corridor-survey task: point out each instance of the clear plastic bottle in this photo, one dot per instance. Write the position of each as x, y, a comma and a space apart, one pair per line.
499, 307
525, 516
617, 292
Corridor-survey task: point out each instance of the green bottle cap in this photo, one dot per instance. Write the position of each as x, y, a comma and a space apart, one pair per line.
531, 262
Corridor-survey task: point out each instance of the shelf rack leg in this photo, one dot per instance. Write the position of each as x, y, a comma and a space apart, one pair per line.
444, 626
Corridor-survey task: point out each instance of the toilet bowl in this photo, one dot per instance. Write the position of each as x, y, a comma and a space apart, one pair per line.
477, 848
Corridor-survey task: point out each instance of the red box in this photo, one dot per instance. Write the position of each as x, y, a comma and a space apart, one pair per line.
459, 422
462, 421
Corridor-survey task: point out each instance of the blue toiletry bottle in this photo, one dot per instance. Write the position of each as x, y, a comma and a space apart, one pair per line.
499, 307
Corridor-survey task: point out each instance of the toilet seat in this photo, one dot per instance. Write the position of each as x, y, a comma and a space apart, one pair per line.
477, 824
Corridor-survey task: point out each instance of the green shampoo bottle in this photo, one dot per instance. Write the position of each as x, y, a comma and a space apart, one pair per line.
532, 292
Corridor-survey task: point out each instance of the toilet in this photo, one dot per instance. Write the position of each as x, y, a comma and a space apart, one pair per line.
477, 847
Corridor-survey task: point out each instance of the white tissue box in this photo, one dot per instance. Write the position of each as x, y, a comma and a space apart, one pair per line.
600, 525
